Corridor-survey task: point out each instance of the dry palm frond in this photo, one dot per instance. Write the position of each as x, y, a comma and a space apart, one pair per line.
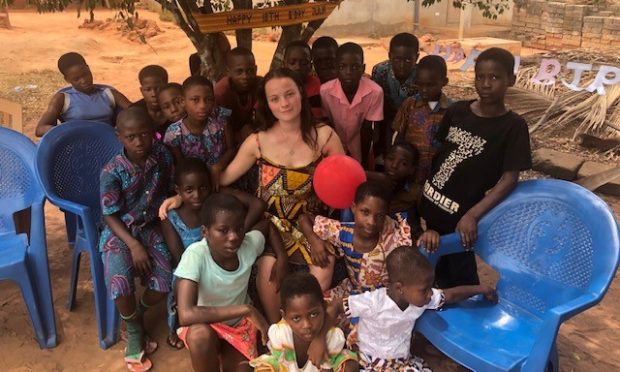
525, 80
594, 120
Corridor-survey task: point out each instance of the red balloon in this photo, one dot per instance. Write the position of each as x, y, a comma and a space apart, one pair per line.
336, 179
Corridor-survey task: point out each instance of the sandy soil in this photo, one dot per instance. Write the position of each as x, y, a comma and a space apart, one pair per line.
28, 54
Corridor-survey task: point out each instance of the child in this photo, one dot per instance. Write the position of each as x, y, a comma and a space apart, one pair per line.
397, 75
238, 91
183, 225
401, 162
364, 243
205, 132
387, 316
133, 185
483, 147
170, 100
303, 320
152, 78
324, 58
83, 100
418, 118
297, 57
353, 103
218, 322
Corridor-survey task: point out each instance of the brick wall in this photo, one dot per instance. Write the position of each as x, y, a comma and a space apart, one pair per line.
561, 25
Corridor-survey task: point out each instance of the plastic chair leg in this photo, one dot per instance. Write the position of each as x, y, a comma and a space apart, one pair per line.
553, 365
105, 308
71, 222
33, 310
75, 270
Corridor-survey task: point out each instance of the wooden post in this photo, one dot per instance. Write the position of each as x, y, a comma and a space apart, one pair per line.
464, 20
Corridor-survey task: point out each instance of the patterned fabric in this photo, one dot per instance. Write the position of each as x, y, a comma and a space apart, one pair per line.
412, 364
241, 336
283, 358
289, 193
366, 271
135, 193
99, 105
118, 263
187, 235
395, 92
208, 146
418, 123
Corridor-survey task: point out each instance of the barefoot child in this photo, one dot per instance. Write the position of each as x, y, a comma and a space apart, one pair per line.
183, 225
83, 100
484, 146
387, 316
218, 322
418, 119
205, 132
170, 100
152, 78
133, 185
303, 321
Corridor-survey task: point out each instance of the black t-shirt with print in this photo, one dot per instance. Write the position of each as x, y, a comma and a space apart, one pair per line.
474, 154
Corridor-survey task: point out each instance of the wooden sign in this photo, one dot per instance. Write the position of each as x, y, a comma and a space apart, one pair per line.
267, 17
11, 115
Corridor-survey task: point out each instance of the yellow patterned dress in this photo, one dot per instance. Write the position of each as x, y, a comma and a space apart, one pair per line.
289, 193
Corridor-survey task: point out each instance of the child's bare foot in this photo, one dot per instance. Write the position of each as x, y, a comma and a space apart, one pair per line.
175, 342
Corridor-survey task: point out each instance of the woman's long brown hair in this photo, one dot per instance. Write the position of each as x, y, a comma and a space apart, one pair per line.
265, 117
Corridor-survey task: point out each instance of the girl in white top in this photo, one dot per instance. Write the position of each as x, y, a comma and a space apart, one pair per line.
387, 315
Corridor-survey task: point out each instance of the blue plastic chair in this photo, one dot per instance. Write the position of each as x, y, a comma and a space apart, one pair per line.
21, 260
68, 163
555, 246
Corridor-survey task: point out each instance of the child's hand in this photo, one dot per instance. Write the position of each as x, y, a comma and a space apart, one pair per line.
468, 229
259, 322
215, 171
141, 261
489, 293
168, 204
278, 272
320, 253
317, 351
429, 240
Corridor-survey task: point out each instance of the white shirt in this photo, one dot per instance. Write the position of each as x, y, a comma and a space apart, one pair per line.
384, 330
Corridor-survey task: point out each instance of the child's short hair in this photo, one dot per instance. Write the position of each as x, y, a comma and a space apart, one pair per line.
503, 57
326, 42
296, 44
434, 64
374, 189
405, 39
238, 52
138, 113
407, 265
349, 48
189, 166
68, 60
197, 80
171, 86
299, 284
154, 71
411, 149
219, 202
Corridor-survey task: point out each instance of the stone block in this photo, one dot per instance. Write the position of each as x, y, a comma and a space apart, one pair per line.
556, 164
593, 19
590, 168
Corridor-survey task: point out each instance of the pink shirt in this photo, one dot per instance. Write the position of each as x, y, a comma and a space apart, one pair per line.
348, 117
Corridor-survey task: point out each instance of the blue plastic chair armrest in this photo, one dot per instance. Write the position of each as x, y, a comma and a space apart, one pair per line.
537, 360
69, 206
448, 244
575, 306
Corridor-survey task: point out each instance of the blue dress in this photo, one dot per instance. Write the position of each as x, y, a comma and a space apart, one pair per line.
188, 237
97, 106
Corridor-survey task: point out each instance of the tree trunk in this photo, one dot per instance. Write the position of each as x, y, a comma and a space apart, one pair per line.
244, 37
5, 21
212, 52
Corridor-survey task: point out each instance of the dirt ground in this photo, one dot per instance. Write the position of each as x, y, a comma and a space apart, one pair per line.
28, 55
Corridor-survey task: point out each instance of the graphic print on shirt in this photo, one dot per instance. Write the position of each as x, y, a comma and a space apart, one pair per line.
468, 146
